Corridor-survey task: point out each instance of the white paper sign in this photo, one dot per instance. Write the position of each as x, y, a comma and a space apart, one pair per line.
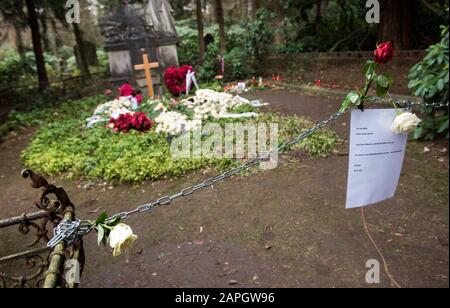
376, 157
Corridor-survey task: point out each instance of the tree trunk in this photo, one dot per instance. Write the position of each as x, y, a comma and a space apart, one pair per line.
19, 39
201, 34
82, 53
278, 9
44, 32
396, 23
251, 9
218, 7
37, 45
318, 15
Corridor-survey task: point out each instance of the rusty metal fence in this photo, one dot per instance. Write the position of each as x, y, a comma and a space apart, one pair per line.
38, 266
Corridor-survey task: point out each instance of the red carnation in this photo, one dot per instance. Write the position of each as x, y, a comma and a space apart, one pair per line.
384, 52
126, 90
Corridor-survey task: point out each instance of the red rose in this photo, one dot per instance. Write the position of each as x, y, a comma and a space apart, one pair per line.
126, 90
139, 99
175, 79
384, 52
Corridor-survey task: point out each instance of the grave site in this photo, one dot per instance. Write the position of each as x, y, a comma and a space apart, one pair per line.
229, 145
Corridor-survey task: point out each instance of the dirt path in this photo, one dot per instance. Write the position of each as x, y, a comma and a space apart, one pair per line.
283, 228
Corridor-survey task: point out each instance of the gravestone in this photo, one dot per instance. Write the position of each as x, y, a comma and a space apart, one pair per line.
132, 30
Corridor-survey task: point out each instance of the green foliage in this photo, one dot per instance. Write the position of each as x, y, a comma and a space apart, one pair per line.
188, 48
15, 68
382, 85
210, 67
429, 80
64, 146
42, 114
247, 44
258, 36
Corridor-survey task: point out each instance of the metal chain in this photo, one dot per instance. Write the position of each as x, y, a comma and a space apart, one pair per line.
79, 232
406, 103
166, 200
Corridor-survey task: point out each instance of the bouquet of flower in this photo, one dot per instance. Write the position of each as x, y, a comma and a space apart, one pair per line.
175, 123
128, 101
126, 122
208, 103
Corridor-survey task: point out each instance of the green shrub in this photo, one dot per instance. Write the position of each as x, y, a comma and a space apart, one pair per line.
238, 67
15, 69
429, 80
211, 65
40, 115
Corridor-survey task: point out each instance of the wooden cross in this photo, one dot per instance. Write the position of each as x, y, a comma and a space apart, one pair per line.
147, 66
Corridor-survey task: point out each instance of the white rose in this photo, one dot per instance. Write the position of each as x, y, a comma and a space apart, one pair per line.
121, 239
405, 123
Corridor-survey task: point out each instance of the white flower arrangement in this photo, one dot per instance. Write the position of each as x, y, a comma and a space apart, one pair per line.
208, 103
113, 109
175, 123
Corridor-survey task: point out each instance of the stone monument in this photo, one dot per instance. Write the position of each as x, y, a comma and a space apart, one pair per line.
132, 30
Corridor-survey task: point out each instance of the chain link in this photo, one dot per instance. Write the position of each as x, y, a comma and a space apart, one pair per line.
166, 200
406, 103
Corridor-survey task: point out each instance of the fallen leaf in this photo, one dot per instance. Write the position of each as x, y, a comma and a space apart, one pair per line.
426, 149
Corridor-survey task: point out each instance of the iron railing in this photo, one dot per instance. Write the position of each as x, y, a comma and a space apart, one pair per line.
37, 265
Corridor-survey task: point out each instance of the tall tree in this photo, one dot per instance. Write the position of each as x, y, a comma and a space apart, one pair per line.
277, 8
396, 23
218, 8
81, 50
37, 45
251, 9
201, 34
14, 14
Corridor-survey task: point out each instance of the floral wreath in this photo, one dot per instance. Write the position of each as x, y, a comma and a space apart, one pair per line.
175, 79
